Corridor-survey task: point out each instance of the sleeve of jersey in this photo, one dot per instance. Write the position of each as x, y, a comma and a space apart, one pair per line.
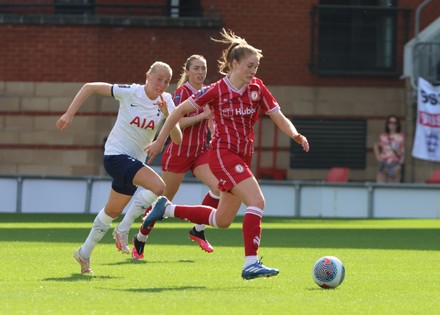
180, 95
120, 91
170, 102
269, 103
203, 97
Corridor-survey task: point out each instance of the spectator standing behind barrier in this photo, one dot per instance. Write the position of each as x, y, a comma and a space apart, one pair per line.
390, 152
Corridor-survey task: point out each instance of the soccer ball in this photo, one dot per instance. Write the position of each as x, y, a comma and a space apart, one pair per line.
328, 272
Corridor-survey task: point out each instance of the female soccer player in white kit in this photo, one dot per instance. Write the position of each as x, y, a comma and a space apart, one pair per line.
141, 110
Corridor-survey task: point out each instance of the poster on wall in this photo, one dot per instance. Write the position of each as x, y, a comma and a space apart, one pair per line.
427, 137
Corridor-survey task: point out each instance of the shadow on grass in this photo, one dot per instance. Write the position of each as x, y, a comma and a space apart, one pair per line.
411, 239
145, 262
80, 278
159, 290
365, 238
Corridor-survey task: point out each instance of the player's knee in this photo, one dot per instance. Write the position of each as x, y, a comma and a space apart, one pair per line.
223, 224
261, 204
216, 192
158, 190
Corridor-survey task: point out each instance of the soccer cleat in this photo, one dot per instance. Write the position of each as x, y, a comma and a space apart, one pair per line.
84, 263
258, 270
138, 249
199, 237
121, 239
157, 213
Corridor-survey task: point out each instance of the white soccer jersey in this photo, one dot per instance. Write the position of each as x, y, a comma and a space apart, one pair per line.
137, 122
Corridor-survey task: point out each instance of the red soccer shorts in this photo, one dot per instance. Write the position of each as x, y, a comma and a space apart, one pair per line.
182, 164
229, 168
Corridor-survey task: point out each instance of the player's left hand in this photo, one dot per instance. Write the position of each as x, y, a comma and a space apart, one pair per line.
153, 149
302, 140
163, 106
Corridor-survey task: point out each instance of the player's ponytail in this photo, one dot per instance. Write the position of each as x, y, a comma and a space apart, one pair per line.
238, 48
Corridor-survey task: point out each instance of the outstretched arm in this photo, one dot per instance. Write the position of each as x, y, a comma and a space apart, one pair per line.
289, 129
156, 146
84, 93
189, 121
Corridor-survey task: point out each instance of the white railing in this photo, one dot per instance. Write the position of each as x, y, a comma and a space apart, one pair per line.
50, 194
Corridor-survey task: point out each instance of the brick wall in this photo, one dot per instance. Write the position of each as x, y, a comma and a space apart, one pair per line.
43, 66
82, 53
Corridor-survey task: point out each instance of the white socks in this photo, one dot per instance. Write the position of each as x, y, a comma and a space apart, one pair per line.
199, 227
142, 201
249, 260
169, 211
141, 237
101, 224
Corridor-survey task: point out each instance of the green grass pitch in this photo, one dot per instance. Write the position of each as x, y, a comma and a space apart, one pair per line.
392, 267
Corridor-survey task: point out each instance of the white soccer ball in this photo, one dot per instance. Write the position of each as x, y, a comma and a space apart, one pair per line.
328, 272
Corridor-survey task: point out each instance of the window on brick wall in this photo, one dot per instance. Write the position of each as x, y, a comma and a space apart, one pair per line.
355, 37
333, 143
76, 7
185, 8
160, 8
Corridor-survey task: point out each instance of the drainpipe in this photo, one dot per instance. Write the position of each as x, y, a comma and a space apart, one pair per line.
417, 21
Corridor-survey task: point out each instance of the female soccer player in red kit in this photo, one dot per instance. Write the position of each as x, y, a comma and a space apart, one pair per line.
234, 102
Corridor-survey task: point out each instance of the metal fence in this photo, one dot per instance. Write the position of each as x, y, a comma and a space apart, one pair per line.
426, 61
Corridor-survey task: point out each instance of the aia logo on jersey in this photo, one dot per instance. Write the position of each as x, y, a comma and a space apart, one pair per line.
143, 123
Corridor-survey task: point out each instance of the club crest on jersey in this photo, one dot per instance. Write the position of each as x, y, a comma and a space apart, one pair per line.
239, 168
255, 95
255, 92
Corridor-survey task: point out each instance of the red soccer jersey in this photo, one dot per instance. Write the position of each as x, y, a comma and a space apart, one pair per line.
235, 112
193, 137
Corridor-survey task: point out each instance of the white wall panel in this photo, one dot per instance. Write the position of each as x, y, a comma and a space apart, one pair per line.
54, 196
334, 202
8, 195
306, 199
406, 203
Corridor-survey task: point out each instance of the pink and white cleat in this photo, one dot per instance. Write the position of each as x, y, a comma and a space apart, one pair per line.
121, 239
200, 238
84, 263
138, 249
